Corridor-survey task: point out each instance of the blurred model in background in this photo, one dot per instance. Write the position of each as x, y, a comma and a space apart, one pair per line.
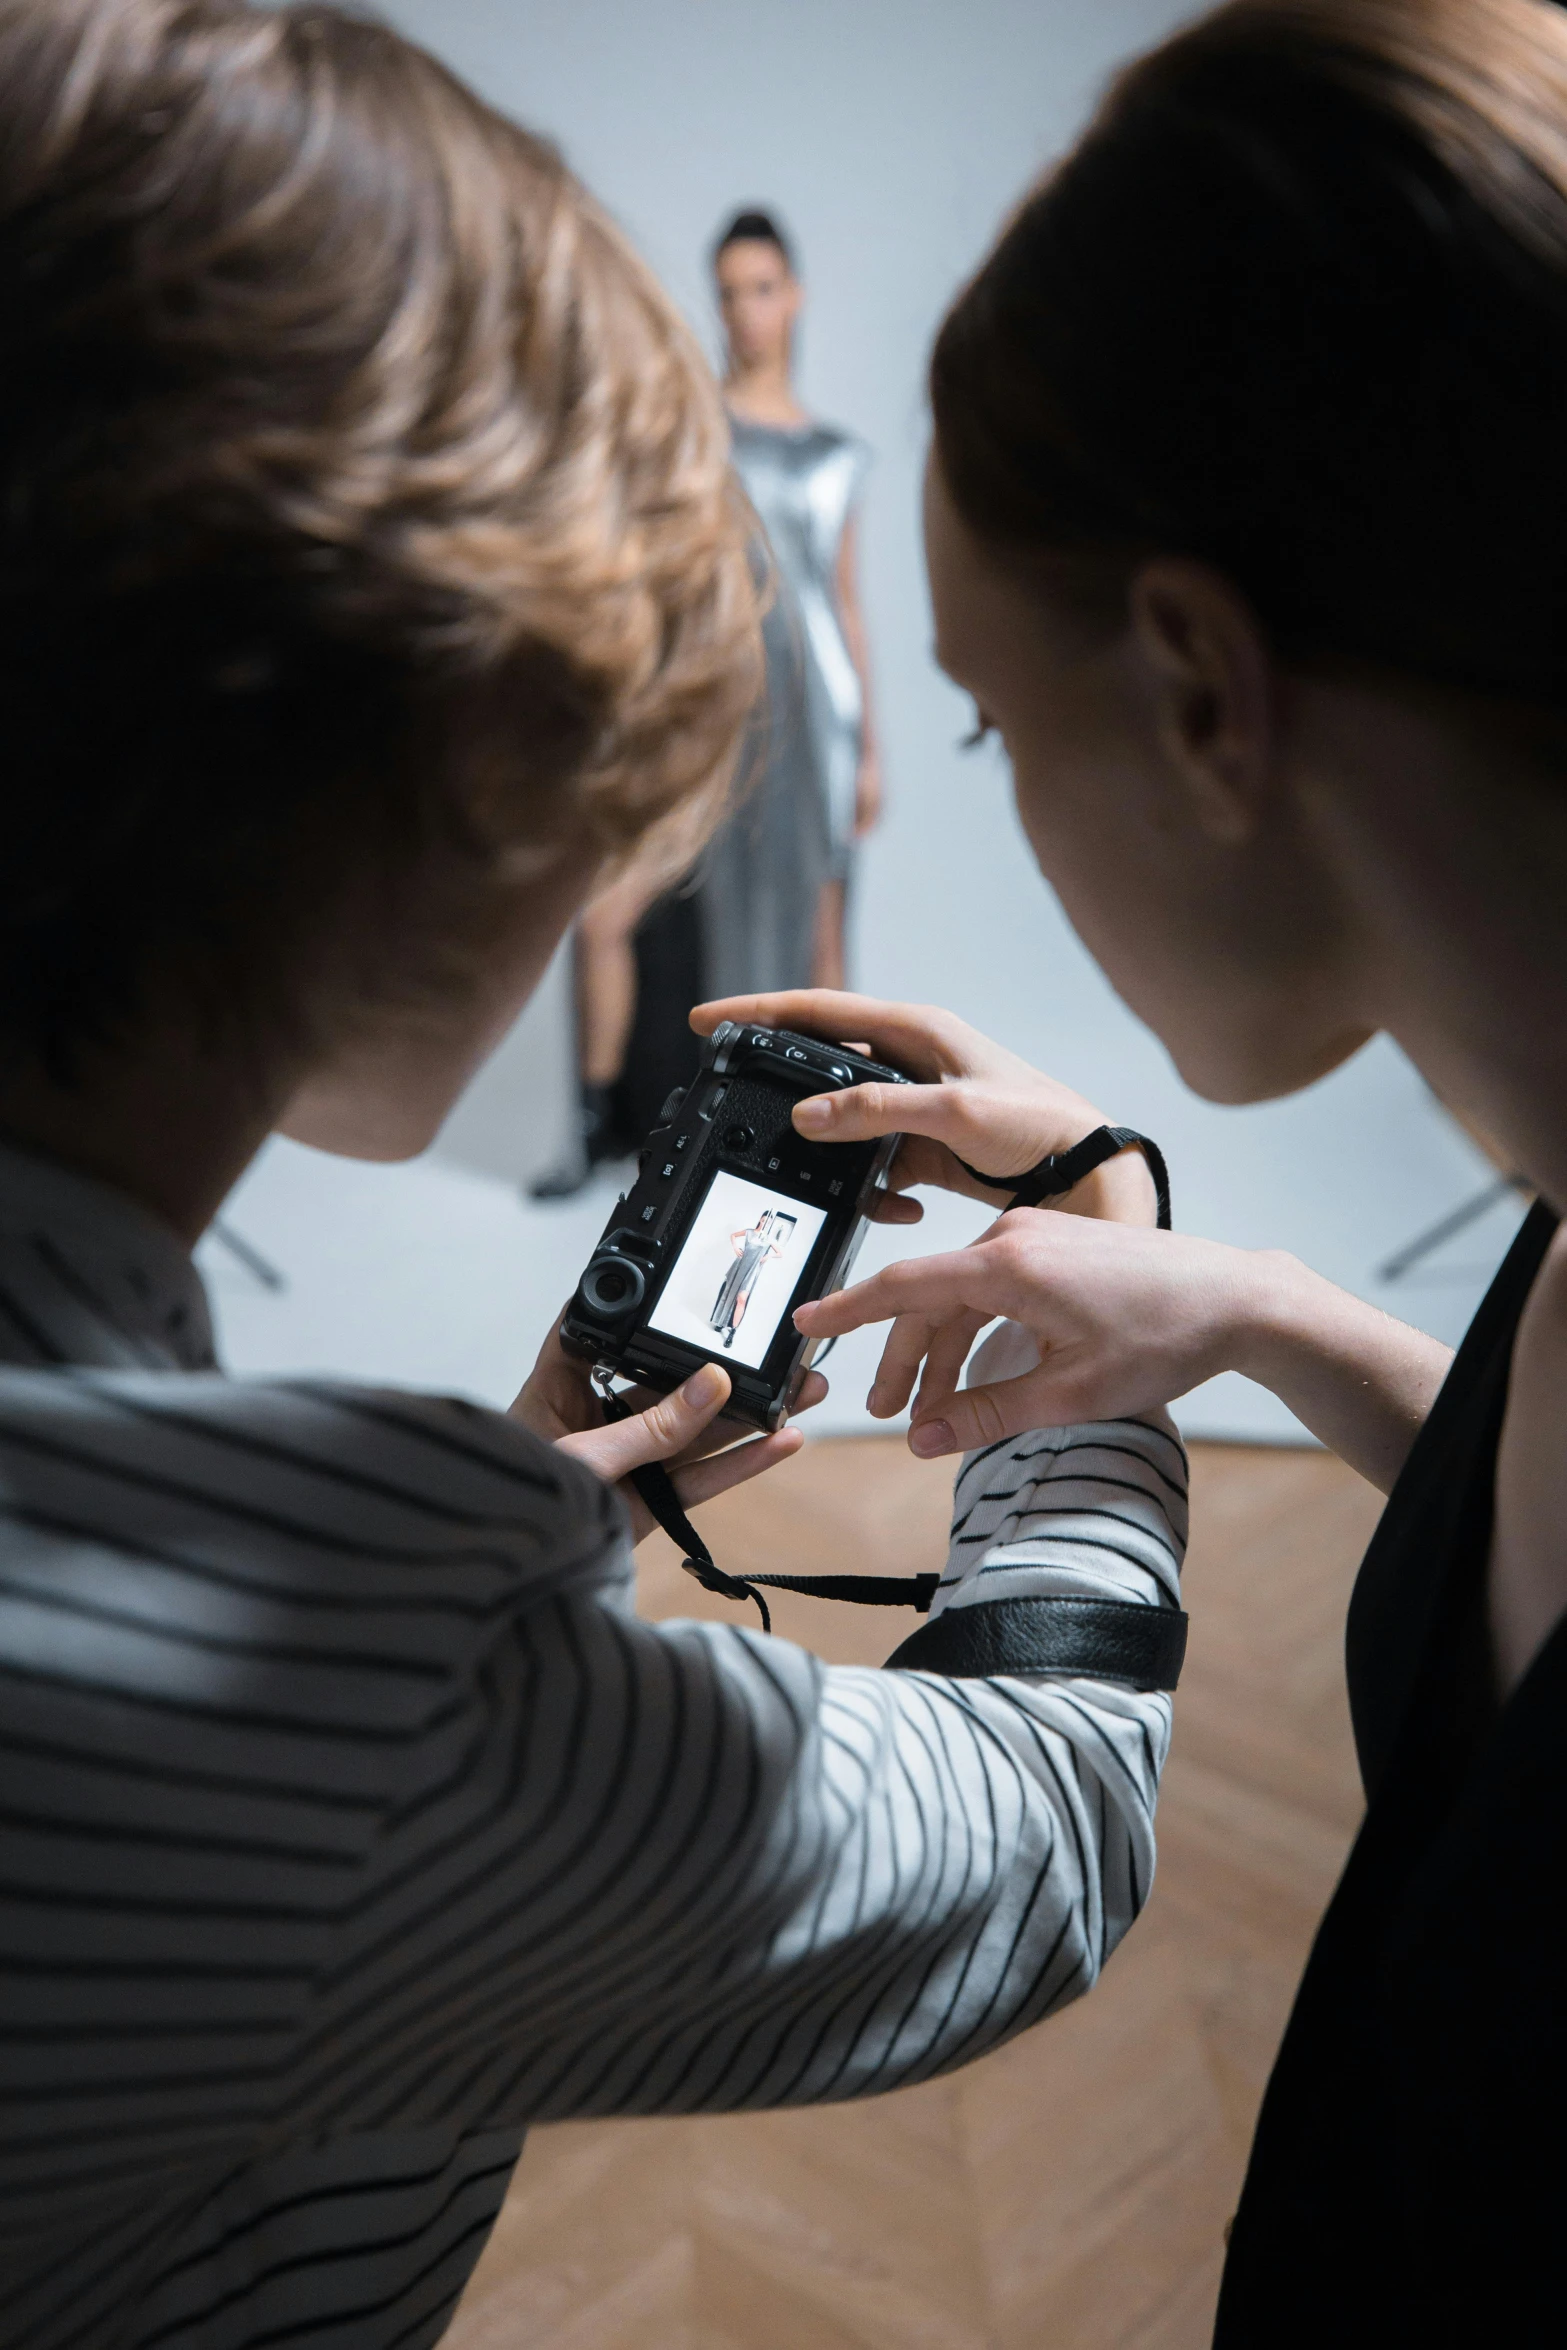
775, 887
636, 969
768, 907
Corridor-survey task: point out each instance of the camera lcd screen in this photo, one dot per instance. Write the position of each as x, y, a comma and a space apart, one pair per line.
737, 1271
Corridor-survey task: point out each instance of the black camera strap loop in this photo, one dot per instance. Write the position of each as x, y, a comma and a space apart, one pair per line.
1062, 1169
654, 1484
655, 1487
1112, 1639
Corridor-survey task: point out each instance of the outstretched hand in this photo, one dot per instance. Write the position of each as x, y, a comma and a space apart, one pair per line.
972, 1101
1124, 1318
683, 1430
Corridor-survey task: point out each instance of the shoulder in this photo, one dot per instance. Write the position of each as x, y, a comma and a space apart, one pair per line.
359, 1492
844, 448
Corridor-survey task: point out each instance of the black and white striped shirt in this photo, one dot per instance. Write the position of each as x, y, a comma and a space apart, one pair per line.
350, 1820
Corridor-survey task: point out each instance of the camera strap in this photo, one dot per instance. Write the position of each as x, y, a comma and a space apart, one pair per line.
1062, 1169
1098, 1638
656, 1488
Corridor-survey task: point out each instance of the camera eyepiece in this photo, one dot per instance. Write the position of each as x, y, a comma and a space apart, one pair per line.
612, 1287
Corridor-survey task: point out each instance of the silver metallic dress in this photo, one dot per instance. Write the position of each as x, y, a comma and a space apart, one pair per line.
794, 829
734, 1293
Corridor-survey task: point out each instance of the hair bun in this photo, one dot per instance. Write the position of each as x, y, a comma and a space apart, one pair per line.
753, 226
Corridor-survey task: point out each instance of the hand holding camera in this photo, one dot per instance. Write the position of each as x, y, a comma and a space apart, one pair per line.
735, 1218
683, 1430
1123, 1317
970, 1104
974, 1105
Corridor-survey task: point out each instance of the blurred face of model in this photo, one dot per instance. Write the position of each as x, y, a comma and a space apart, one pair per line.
1160, 782
759, 301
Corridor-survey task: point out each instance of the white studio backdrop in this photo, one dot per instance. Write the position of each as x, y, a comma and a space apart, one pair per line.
890, 136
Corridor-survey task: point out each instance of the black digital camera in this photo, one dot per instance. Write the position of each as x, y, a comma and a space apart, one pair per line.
734, 1220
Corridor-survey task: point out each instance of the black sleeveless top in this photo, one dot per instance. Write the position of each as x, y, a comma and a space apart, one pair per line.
1407, 2176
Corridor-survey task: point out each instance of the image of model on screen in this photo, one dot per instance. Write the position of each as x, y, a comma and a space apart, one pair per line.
754, 1244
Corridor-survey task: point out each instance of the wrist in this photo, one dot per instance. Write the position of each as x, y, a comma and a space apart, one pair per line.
1120, 1192
1271, 1316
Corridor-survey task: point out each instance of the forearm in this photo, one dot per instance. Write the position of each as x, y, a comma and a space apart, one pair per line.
1359, 1380
805, 1882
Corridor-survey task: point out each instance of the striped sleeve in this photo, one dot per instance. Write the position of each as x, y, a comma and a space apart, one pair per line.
352, 1821
1094, 1512
682, 1867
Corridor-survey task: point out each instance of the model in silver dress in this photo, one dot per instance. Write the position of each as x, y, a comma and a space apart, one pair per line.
794, 832
754, 1246
767, 908
775, 883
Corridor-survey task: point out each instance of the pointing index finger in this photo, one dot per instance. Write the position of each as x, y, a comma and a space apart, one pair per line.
963, 1279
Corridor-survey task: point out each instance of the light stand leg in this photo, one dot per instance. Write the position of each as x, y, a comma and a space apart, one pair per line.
1467, 1212
251, 1258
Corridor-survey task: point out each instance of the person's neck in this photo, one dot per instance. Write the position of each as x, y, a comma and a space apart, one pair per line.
1456, 849
763, 393
163, 1122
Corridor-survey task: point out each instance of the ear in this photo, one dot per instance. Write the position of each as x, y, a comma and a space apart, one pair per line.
1211, 674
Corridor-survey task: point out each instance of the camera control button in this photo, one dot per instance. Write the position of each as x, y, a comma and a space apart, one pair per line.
738, 1138
667, 1169
773, 1166
680, 1141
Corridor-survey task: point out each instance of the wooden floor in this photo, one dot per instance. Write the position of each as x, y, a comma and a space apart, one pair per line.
1070, 2191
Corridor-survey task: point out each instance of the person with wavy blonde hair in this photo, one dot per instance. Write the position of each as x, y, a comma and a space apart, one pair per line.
372, 582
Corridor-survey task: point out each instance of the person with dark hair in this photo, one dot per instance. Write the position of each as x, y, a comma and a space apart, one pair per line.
767, 907
1245, 532
751, 226
373, 584
775, 886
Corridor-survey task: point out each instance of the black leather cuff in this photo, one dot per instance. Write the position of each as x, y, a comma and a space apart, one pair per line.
1103, 1639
